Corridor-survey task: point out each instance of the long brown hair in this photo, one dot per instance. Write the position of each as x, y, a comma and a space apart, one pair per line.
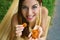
22, 20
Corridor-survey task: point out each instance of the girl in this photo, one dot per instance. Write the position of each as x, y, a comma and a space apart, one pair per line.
28, 10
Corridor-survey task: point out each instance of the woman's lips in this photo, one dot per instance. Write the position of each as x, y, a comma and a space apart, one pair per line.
30, 17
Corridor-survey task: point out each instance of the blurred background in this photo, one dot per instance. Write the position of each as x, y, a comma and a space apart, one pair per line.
4, 6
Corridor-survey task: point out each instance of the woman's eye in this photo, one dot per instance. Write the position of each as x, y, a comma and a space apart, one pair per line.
34, 7
24, 7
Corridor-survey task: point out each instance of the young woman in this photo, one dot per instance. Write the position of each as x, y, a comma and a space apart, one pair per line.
27, 13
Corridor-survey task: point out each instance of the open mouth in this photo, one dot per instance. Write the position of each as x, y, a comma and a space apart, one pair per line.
30, 17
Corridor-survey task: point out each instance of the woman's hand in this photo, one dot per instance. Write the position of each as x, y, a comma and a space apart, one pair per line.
40, 33
43, 38
19, 29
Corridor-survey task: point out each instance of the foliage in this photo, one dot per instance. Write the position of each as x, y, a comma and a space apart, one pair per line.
4, 6
49, 4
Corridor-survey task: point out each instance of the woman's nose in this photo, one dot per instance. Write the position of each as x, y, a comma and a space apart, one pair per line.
30, 12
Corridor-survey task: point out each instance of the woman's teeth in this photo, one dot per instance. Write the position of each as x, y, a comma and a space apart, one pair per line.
29, 17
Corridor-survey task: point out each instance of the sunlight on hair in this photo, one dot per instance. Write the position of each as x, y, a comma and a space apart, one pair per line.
6, 22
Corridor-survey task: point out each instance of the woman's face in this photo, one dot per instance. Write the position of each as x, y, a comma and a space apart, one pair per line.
30, 8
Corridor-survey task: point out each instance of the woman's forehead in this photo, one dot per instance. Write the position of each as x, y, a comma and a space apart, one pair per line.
30, 2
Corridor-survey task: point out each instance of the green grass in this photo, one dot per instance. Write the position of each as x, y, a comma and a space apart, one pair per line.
5, 4
49, 4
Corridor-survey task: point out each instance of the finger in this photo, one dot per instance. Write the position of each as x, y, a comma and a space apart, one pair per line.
40, 28
33, 39
36, 27
40, 31
19, 26
30, 38
19, 34
19, 29
36, 39
43, 38
30, 34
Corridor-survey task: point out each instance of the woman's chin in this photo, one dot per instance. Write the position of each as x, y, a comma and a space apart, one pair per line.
30, 20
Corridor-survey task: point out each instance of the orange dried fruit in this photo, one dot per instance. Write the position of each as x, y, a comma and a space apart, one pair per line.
24, 25
35, 34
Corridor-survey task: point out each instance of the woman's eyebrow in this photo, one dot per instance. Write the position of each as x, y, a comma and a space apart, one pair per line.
35, 4
24, 5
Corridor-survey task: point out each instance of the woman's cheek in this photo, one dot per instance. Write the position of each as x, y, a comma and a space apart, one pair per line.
36, 11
